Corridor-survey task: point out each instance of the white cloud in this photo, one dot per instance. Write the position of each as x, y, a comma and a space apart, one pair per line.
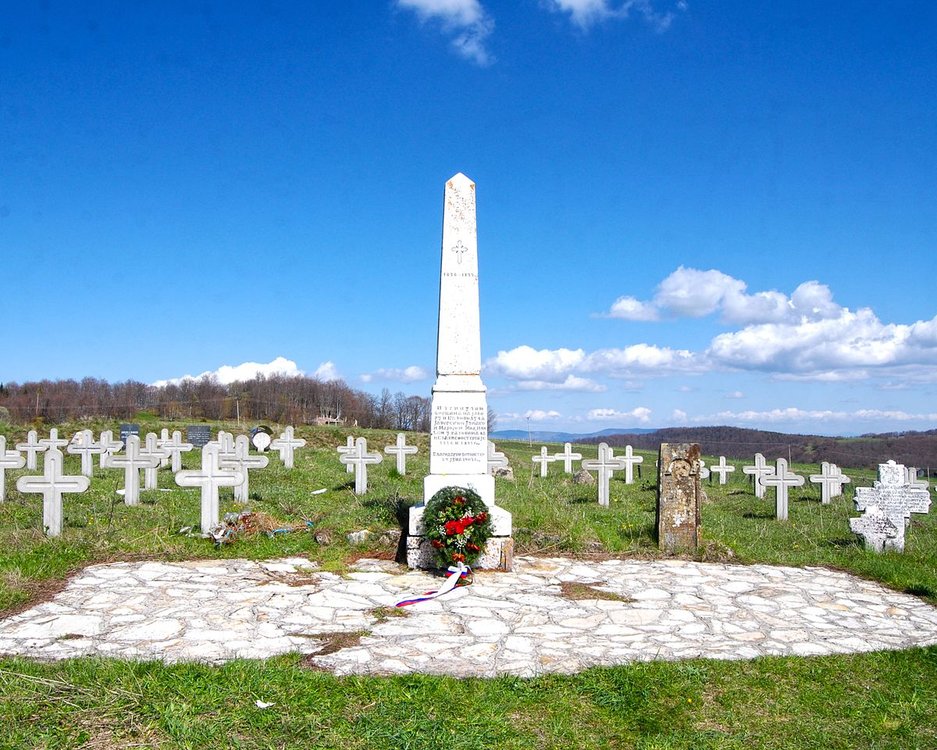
629, 308
326, 372
409, 374
585, 13
735, 394
534, 415
465, 21
793, 414
641, 358
679, 416
641, 414
245, 371
572, 383
527, 363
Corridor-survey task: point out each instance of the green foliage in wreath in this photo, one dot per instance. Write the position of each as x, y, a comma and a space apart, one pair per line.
457, 523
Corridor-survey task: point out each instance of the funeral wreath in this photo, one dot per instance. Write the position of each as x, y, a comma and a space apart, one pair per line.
457, 523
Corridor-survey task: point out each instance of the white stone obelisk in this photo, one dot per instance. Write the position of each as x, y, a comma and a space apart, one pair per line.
459, 426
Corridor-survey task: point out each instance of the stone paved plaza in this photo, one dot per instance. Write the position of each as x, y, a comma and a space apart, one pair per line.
538, 619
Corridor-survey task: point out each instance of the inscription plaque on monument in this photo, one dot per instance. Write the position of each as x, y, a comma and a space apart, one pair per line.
198, 434
126, 430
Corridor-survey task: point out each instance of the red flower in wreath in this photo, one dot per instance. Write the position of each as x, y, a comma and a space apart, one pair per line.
437, 544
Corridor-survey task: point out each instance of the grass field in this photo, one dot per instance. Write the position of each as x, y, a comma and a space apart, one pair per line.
880, 700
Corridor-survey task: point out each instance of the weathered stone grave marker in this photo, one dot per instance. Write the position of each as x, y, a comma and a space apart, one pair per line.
543, 458
401, 450
605, 464
831, 481
756, 471
161, 443
132, 461
723, 469
679, 497
210, 478
361, 459
286, 445
894, 497
8, 460
877, 531
496, 459
85, 447
567, 457
52, 485
781, 479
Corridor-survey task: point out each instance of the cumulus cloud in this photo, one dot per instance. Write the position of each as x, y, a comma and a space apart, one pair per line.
586, 13
793, 414
526, 363
534, 415
409, 374
465, 22
735, 394
326, 372
245, 371
572, 383
641, 414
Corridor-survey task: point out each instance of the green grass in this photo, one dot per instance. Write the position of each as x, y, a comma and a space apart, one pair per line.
879, 700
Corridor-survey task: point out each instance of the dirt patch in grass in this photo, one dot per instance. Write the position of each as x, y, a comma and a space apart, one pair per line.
581, 591
332, 642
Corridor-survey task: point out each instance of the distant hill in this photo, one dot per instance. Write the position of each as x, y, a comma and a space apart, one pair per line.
541, 436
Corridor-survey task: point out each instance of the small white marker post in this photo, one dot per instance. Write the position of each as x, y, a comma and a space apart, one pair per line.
52, 485
543, 459
286, 444
348, 448
31, 447
132, 461
210, 478
401, 450
110, 445
496, 459
361, 459
781, 479
8, 460
722, 469
605, 464
176, 447
87, 449
631, 461
831, 481
244, 463
757, 471
567, 457
151, 473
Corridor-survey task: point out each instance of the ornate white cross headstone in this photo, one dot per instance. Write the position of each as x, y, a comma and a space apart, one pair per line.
781, 479
496, 459
8, 460
349, 447
723, 469
543, 459
361, 459
132, 461
31, 447
243, 462
51, 485
176, 447
831, 481
53, 441
567, 457
87, 449
151, 448
631, 461
110, 446
210, 478
285, 445
897, 499
401, 450
760, 469
604, 464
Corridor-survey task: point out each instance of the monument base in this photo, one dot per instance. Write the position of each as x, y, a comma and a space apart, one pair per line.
497, 555
483, 484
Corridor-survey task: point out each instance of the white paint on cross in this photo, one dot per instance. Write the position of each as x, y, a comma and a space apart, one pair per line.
110, 445
85, 447
52, 485
605, 464
176, 447
567, 457
210, 478
31, 448
781, 479
496, 459
361, 459
348, 448
285, 445
53, 441
543, 458
401, 450
831, 481
723, 469
8, 460
151, 448
132, 461
161, 443
759, 469
243, 462
631, 461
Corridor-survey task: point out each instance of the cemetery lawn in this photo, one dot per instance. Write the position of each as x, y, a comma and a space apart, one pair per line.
877, 700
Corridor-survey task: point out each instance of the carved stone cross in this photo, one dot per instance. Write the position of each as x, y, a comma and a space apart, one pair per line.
85, 447
604, 464
831, 481
496, 459
285, 445
401, 450
8, 460
52, 485
723, 469
243, 462
567, 457
210, 478
349, 447
760, 469
781, 479
31, 447
361, 459
132, 461
631, 461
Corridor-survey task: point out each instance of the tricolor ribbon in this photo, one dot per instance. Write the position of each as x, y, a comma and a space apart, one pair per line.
456, 574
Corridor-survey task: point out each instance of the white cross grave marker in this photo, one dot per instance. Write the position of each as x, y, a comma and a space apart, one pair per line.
703, 470
760, 469
567, 457
401, 450
53, 441
831, 481
31, 447
151, 448
8, 460
286, 444
914, 482
781, 478
543, 459
496, 459
348, 448
722, 469
110, 445
604, 464
243, 462
161, 443
132, 461
631, 461
210, 478
176, 447
87, 449
361, 459
51, 485
837, 486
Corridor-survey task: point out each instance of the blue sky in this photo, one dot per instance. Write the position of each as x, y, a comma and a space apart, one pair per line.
689, 212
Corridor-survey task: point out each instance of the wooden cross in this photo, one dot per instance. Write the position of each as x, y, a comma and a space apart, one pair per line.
543, 459
285, 445
781, 479
567, 457
723, 469
243, 462
831, 481
631, 461
8, 460
132, 461
361, 459
349, 447
496, 459
51, 485
760, 469
401, 450
85, 447
605, 464
31, 447
210, 478
176, 447
111, 447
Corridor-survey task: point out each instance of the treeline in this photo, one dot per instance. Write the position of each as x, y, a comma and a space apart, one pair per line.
275, 398
910, 448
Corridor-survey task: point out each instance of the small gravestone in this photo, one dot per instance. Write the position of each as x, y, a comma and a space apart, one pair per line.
831, 481
210, 478
198, 434
53, 441
110, 446
894, 497
361, 459
132, 461
85, 447
567, 457
605, 464
261, 437
8, 460
348, 448
286, 445
496, 460
401, 450
52, 485
781, 479
759, 469
31, 448
543, 459
723, 469
631, 461
244, 463
877, 531
175, 448
150, 448
914, 482
126, 430
679, 497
